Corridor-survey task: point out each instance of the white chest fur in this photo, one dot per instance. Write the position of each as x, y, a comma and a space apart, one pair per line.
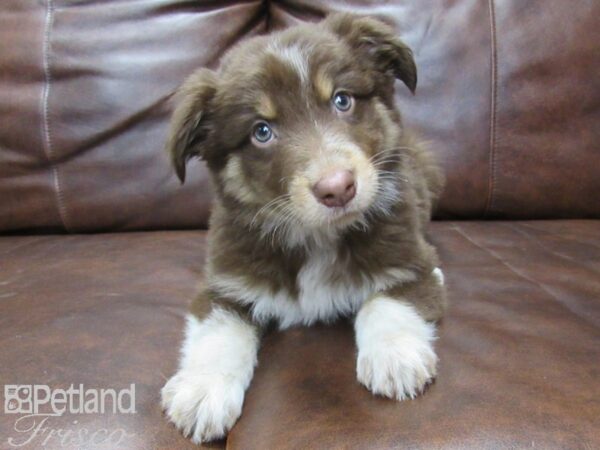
325, 291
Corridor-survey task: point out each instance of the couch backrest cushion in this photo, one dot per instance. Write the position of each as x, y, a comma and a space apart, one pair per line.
84, 106
508, 97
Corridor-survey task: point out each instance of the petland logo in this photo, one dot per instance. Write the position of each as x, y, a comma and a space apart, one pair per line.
38, 404
33, 399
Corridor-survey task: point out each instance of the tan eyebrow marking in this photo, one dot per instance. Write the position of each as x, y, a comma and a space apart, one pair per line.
235, 181
324, 85
266, 108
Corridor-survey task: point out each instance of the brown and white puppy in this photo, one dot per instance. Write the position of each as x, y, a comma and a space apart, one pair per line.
322, 198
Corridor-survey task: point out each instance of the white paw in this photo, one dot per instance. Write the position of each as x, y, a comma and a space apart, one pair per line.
203, 406
397, 367
437, 272
395, 351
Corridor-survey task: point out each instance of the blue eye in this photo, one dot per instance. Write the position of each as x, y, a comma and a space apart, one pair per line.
262, 132
342, 101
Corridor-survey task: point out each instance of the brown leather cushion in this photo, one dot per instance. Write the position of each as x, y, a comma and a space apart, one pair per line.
102, 310
508, 98
519, 352
519, 349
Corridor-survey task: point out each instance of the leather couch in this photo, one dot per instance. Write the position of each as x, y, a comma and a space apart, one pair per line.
102, 250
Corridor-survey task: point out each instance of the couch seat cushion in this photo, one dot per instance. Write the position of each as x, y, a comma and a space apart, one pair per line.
519, 356
102, 310
519, 348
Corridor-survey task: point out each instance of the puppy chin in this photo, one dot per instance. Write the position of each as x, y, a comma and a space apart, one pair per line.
341, 217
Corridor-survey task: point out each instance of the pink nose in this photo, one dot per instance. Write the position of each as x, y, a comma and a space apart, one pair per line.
335, 189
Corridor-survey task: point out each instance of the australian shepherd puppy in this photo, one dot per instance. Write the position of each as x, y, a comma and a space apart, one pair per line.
322, 199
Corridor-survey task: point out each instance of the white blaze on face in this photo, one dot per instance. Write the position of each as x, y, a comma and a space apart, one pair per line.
294, 56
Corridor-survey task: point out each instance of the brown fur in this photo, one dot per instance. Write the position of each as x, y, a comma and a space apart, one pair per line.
214, 121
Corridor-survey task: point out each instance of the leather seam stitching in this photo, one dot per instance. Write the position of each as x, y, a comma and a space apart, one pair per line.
46, 134
493, 109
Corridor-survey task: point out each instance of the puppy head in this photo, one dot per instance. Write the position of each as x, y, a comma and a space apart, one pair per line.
297, 127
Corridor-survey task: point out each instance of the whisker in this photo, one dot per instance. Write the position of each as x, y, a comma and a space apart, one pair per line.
389, 159
392, 177
395, 151
282, 210
285, 221
263, 208
391, 172
273, 204
380, 164
288, 222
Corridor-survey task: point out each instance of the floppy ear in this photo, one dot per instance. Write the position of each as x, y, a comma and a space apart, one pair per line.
378, 41
190, 125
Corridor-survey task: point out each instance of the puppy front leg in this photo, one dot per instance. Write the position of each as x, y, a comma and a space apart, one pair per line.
396, 358
204, 398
